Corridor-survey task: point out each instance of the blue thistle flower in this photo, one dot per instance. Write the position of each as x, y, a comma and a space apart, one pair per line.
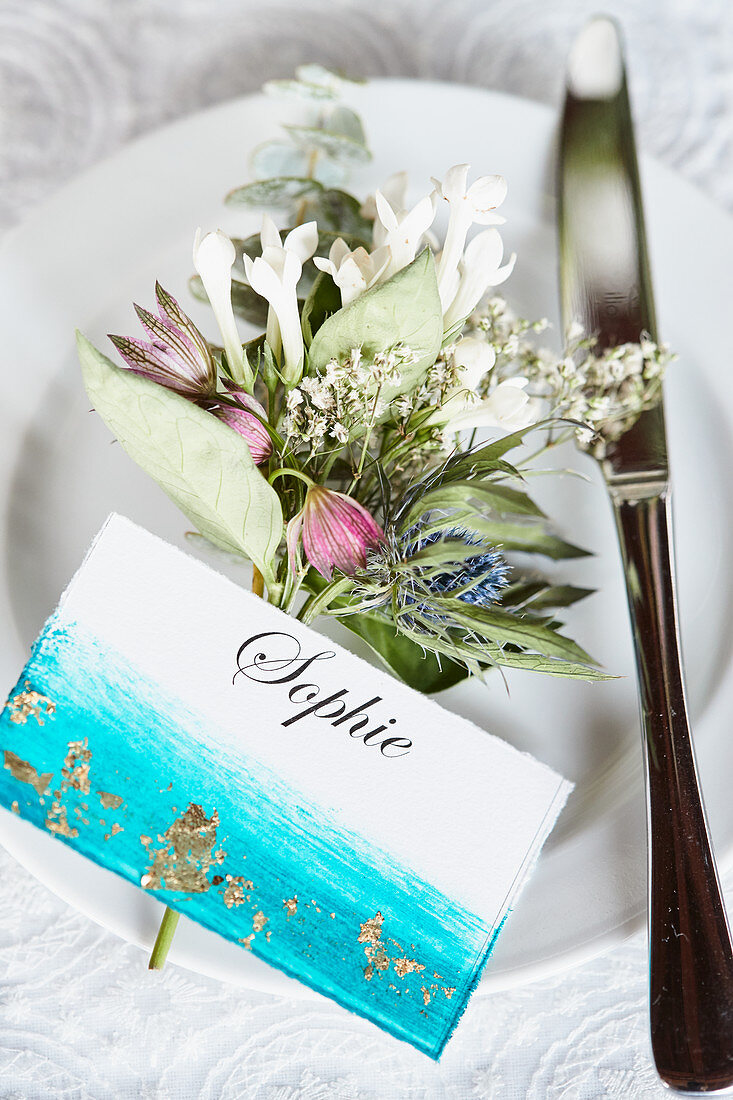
476, 578
402, 572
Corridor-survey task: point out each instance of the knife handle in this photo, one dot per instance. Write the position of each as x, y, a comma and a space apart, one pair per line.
691, 960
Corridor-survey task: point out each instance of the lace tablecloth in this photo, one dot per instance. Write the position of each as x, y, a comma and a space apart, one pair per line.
79, 1015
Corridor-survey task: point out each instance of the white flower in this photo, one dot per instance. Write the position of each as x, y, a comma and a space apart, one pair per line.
508, 407
403, 230
476, 203
353, 272
274, 275
213, 256
479, 269
472, 359
395, 192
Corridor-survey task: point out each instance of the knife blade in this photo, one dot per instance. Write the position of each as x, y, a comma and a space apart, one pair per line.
606, 286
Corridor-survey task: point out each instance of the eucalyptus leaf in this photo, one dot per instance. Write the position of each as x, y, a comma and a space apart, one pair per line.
278, 158
332, 144
340, 212
300, 89
283, 158
346, 122
278, 191
404, 310
313, 73
200, 463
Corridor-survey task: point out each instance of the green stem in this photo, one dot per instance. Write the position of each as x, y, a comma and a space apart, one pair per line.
163, 940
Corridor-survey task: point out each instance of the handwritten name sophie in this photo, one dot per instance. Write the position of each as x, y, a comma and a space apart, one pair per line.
256, 662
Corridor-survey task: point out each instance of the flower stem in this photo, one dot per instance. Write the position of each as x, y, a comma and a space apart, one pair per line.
163, 940
169, 923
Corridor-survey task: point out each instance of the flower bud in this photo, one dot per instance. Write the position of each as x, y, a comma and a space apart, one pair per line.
337, 532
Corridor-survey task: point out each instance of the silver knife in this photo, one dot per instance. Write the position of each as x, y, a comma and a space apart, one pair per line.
606, 286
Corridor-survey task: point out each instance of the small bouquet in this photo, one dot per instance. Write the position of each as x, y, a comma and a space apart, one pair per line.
360, 449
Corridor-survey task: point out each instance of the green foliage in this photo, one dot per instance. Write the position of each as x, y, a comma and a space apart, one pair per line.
200, 463
279, 191
323, 300
405, 310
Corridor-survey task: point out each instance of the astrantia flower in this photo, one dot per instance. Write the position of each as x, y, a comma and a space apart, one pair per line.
213, 257
250, 427
176, 355
414, 572
337, 532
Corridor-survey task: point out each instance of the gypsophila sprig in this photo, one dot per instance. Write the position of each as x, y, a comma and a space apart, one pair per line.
605, 389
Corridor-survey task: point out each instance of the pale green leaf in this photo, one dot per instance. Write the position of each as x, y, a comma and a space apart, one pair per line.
404, 310
300, 89
346, 122
332, 144
202, 465
280, 191
313, 73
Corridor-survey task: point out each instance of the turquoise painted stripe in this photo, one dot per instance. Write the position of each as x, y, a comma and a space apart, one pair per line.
160, 757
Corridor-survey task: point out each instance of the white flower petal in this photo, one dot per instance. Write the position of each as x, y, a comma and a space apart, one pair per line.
269, 234
475, 358
302, 241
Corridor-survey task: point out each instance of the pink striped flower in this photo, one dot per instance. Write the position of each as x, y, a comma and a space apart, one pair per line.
176, 355
337, 532
248, 426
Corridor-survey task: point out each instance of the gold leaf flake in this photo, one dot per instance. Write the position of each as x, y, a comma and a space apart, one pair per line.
57, 822
110, 801
259, 920
425, 995
30, 704
247, 941
378, 957
15, 807
403, 967
184, 858
234, 893
75, 771
291, 905
26, 773
371, 930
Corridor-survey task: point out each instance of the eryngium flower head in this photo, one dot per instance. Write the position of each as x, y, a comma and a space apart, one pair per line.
419, 570
240, 417
337, 532
176, 355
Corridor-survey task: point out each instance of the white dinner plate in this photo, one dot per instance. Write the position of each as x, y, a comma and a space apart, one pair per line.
100, 244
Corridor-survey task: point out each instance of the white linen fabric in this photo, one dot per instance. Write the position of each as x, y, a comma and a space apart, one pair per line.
80, 1017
